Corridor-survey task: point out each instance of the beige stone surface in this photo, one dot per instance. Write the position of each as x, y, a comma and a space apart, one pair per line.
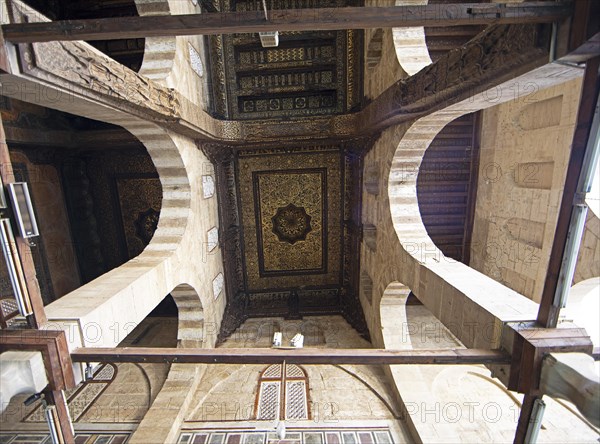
348, 394
460, 403
126, 399
588, 260
472, 306
524, 155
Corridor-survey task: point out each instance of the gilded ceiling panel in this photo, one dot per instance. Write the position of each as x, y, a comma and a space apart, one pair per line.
291, 206
290, 214
309, 73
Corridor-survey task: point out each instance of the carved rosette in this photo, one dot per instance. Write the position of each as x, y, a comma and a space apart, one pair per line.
291, 224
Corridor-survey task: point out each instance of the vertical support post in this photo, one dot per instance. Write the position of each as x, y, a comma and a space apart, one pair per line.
6, 172
525, 418
549, 309
63, 432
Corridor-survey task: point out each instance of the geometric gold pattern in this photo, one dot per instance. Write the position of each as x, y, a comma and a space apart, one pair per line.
291, 224
309, 181
282, 197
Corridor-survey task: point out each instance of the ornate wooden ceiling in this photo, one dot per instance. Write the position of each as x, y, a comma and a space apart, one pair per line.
289, 214
308, 74
290, 231
129, 52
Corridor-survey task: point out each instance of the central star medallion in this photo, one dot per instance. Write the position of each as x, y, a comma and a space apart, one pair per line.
291, 224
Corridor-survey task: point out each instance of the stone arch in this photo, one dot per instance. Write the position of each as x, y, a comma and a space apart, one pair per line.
191, 316
402, 186
410, 44
159, 52
142, 282
176, 189
394, 320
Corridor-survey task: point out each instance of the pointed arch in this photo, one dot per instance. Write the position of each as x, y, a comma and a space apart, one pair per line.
394, 320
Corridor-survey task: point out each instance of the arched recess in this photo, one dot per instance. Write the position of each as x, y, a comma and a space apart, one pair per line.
394, 323
410, 44
446, 186
130, 292
190, 333
402, 186
174, 396
176, 204
159, 52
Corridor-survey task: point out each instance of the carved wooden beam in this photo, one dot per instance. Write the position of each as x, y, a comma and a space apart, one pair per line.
321, 19
497, 55
530, 346
289, 355
549, 305
54, 349
77, 74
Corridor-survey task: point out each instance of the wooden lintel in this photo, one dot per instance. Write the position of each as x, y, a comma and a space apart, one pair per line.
54, 348
319, 19
290, 355
61, 415
532, 344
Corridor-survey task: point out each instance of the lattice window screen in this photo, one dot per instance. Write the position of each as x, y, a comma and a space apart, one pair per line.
8, 311
293, 371
268, 402
276, 400
273, 371
295, 400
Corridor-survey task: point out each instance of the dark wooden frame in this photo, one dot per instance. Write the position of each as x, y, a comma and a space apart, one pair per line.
282, 401
458, 14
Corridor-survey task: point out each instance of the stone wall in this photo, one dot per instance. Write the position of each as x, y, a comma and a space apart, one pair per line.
450, 403
525, 146
473, 306
349, 395
54, 254
121, 397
